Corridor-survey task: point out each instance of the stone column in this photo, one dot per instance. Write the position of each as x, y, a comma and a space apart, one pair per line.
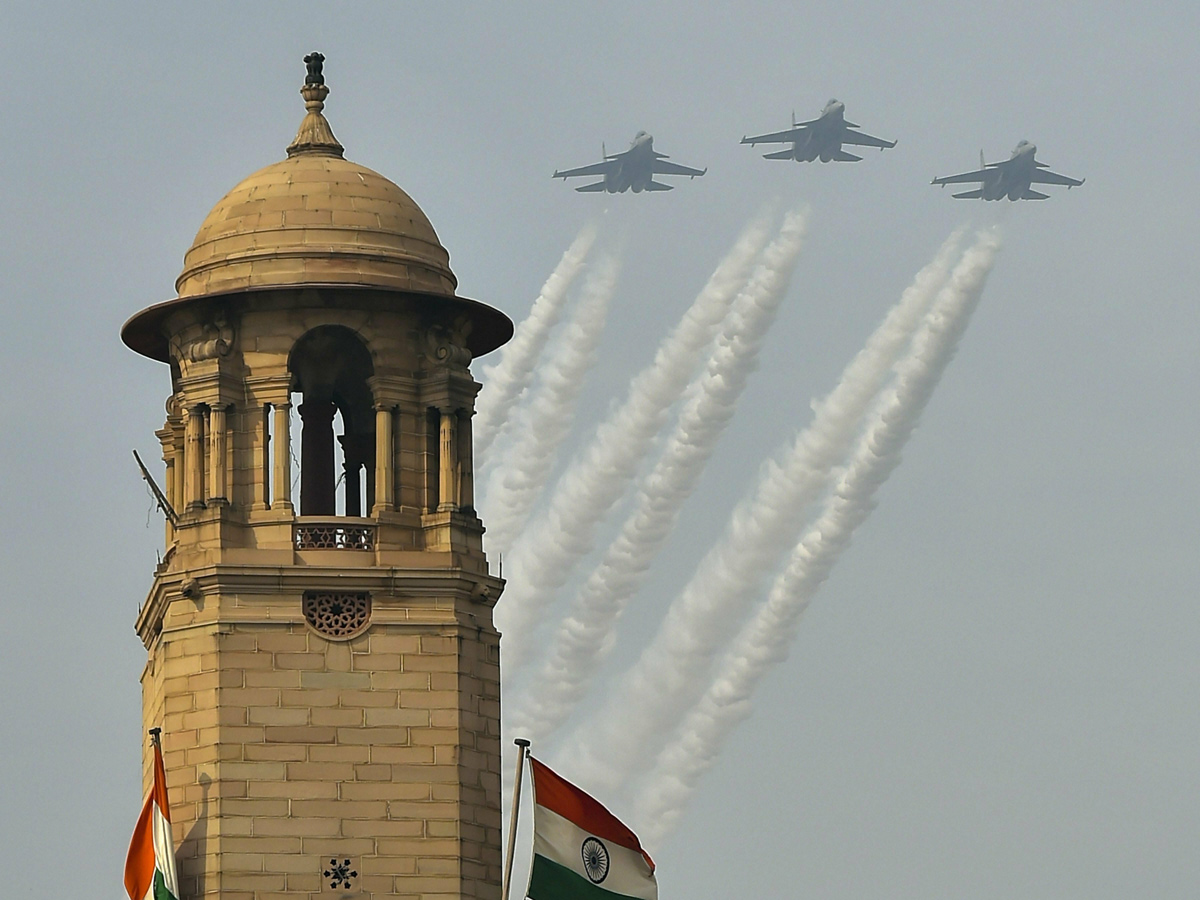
384, 460
281, 494
261, 497
179, 470
193, 486
466, 462
369, 477
352, 480
447, 462
356, 450
166, 437
216, 455
173, 501
317, 477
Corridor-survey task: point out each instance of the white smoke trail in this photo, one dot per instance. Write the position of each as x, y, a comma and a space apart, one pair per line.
504, 381
544, 555
766, 637
521, 473
667, 678
585, 636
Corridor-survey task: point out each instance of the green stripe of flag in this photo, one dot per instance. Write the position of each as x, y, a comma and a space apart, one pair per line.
161, 891
551, 881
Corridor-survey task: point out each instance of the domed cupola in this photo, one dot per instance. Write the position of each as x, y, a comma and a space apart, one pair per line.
315, 219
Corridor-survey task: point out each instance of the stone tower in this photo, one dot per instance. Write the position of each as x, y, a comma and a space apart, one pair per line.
324, 666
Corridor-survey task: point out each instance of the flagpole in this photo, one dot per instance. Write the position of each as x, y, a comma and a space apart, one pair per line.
522, 750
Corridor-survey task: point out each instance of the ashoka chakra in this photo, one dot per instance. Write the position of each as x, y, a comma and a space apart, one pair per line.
595, 860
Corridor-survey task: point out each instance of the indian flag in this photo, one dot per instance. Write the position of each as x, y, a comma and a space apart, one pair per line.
581, 851
150, 866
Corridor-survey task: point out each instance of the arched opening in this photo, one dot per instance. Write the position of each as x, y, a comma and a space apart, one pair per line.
330, 366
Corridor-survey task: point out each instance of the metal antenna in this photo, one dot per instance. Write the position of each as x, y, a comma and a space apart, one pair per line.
159, 496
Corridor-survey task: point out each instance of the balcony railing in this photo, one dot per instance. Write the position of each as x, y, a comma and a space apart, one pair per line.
333, 534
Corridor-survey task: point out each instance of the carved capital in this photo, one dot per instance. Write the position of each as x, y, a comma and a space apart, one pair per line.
213, 340
446, 346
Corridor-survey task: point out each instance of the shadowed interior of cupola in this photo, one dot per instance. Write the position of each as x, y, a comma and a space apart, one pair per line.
331, 368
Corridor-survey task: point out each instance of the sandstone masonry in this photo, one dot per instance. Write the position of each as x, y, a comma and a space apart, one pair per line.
323, 662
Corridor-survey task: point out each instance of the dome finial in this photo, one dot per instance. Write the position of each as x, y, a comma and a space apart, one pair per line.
315, 62
315, 136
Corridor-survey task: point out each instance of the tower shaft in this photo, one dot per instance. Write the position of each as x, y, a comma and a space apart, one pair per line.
324, 666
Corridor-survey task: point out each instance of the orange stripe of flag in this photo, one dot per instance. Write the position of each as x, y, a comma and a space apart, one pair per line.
160, 783
558, 795
139, 864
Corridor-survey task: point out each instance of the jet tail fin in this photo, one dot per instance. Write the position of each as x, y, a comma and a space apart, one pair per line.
1031, 194
659, 186
970, 195
778, 154
843, 156
592, 188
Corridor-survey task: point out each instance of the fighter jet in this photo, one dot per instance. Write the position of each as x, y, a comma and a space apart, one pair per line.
822, 138
634, 168
1011, 178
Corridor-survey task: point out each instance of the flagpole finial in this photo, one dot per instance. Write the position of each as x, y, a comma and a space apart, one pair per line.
155, 733
521, 742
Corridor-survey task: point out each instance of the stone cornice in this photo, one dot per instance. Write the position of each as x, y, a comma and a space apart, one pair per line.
423, 595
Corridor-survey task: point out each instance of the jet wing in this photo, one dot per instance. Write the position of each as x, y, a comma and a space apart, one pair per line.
662, 167
795, 133
850, 136
964, 178
600, 168
1043, 176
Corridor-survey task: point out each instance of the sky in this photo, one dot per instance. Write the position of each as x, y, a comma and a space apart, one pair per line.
993, 695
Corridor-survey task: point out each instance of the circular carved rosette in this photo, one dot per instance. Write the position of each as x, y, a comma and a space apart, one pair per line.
337, 615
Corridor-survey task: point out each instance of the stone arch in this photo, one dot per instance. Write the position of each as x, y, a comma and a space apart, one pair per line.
331, 368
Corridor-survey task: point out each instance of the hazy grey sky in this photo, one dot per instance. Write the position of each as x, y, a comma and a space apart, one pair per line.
995, 695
